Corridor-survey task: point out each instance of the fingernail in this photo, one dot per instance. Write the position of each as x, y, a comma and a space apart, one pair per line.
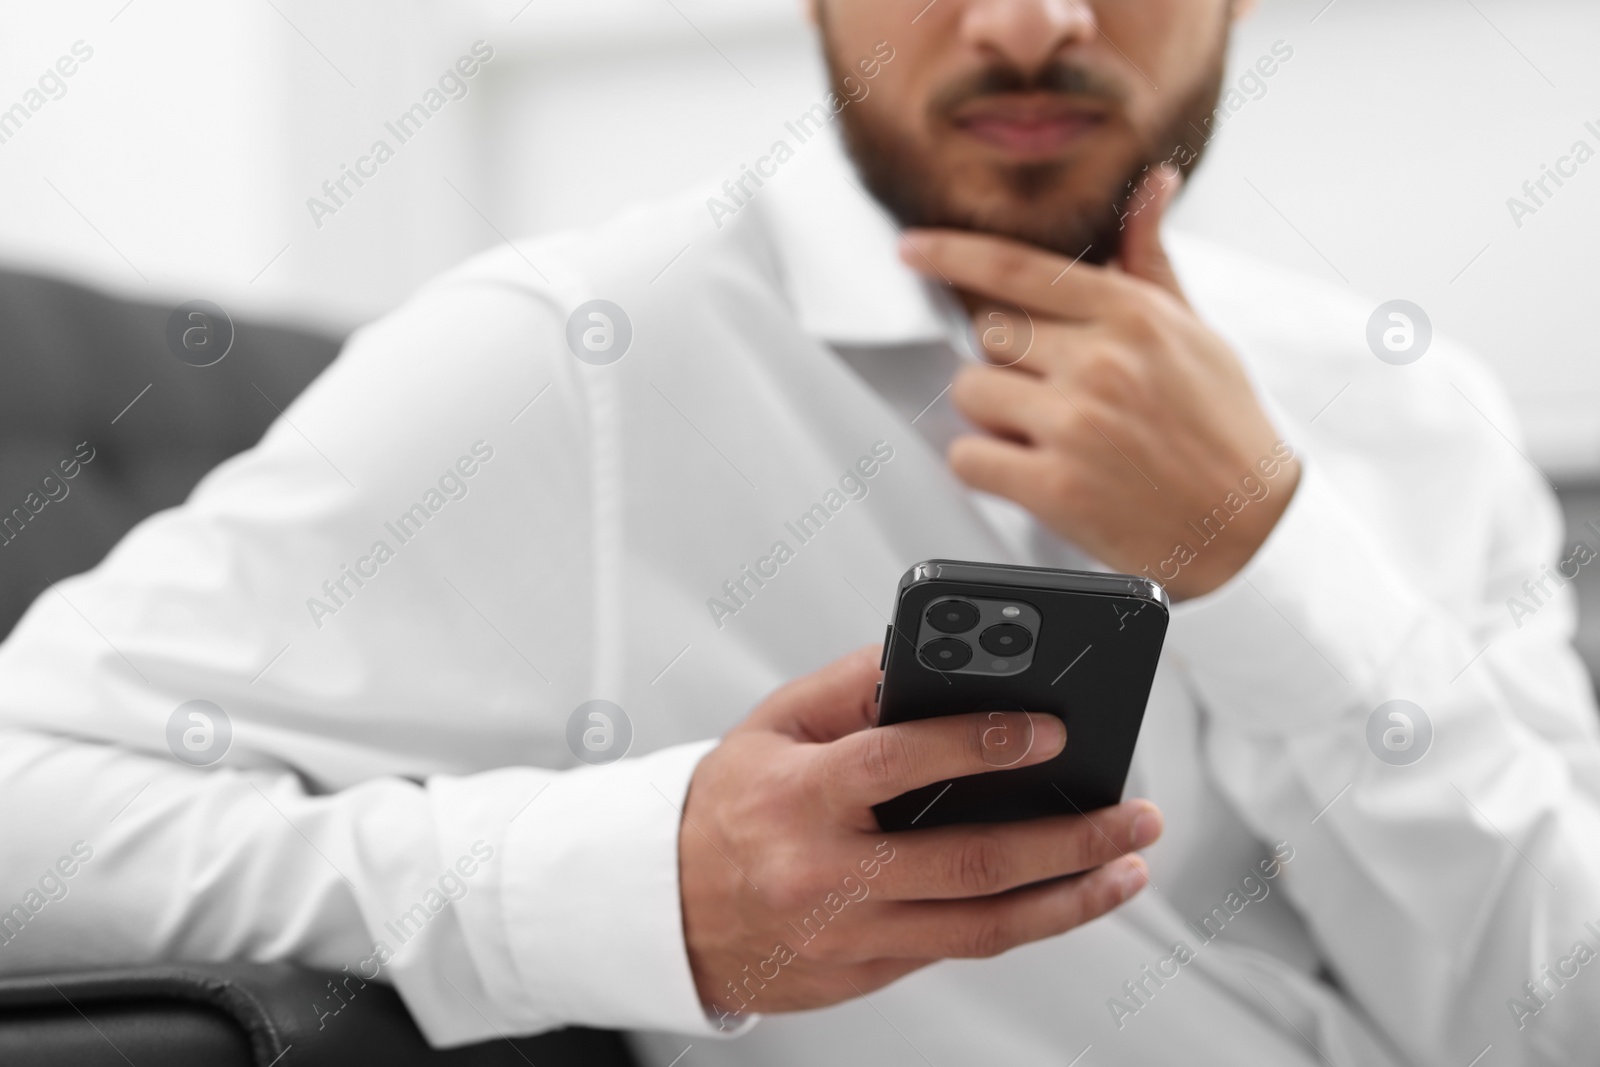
1146, 828
1132, 880
1049, 733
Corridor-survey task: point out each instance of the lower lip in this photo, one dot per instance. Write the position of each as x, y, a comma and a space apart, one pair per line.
1036, 138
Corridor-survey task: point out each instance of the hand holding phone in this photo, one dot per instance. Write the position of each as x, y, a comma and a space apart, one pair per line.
792, 896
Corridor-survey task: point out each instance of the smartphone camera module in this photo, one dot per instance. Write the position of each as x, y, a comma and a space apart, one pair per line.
1004, 630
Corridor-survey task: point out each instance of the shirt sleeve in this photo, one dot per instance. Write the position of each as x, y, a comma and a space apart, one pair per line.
507, 902
1445, 862
354, 696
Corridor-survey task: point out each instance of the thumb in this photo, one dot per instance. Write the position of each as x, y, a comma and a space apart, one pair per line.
827, 704
1142, 253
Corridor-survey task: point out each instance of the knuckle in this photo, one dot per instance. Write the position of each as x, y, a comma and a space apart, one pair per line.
884, 756
1141, 324
1114, 376
976, 739
979, 865
988, 936
786, 881
1063, 429
1083, 846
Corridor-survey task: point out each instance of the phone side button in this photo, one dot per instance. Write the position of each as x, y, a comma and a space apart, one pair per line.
877, 698
888, 635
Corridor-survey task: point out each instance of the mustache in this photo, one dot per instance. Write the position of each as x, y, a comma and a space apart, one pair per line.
1001, 79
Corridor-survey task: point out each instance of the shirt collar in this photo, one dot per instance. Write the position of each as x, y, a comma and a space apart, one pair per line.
838, 250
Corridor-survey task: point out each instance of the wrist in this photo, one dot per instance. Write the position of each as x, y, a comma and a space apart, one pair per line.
1223, 553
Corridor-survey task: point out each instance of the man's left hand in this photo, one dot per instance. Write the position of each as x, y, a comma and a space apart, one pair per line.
1128, 426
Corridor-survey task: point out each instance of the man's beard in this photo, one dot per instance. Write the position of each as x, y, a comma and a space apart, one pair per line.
1089, 227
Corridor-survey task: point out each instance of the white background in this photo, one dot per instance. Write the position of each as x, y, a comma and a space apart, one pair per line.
179, 161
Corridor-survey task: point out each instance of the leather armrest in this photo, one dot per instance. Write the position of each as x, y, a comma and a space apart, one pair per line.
251, 1015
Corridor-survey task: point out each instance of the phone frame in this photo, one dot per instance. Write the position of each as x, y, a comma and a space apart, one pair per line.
1102, 703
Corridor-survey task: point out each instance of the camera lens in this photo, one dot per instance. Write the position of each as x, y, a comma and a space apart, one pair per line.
1006, 639
953, 616
946, 653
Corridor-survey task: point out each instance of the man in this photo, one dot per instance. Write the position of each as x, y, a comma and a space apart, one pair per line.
583, 470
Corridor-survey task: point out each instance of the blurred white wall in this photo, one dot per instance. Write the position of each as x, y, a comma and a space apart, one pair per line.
1392, 141
179, 160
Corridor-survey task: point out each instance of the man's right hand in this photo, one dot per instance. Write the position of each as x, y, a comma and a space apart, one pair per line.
794, 899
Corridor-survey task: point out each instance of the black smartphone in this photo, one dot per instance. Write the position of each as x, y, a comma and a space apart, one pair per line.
976, 637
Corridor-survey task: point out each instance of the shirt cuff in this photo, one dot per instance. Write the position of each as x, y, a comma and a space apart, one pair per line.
591, 901
1311, 623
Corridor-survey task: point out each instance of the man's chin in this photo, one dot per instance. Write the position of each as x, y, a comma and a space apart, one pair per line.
1071, 230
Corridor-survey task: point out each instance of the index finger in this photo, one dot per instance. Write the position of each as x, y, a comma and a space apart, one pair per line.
879, 764
1007, 270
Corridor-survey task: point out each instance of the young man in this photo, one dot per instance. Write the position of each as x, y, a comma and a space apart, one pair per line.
589, 496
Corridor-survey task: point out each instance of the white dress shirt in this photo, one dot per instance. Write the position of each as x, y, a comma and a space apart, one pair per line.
555, 532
